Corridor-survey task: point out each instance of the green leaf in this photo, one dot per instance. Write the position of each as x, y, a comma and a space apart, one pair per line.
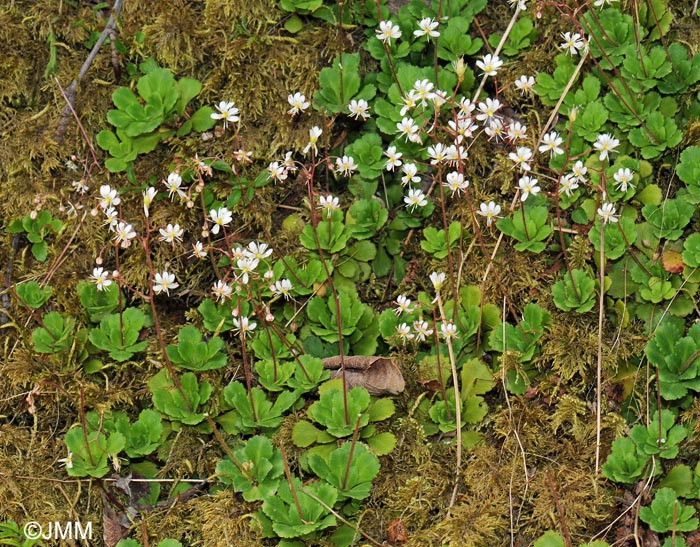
578, 295
194, 354
666, 513
550, 539
339, 83
257, 469
688, 169
32, 294
349, 469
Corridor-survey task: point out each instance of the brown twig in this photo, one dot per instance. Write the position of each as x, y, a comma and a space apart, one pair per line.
560, 511
71, 91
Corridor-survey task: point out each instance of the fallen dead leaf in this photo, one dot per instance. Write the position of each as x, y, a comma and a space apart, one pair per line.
378, 375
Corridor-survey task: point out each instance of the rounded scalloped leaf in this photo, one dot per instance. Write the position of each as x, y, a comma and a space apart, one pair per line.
688, 169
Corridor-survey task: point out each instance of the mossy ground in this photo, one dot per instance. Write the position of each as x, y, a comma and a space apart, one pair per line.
535, 469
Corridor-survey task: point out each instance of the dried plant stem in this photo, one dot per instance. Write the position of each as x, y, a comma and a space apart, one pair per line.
599, 367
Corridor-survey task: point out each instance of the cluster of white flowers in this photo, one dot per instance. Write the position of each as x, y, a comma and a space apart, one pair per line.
280, 170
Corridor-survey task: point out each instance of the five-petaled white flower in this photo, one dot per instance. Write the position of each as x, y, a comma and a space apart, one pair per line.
387, 30
516, 130
605, 144
403, 305
520, 157
173, 184
408, 128
490, 64
198, 250
456, 182
220, 217
314, 134
601, 3
415, 198
99, 277
422, 330
410, 100
329, 203
437, 153
221, 290
579, 171
111, 218
67, 461
404, 332
282, 287
525, 84
148, 197
247, 266
490, 211
424, 90
345, 166
426, 27
448, 330
277, 172
163, 282
243, 325
359, 109
550, 143
298, 103
109, 197
171, 234
573, 43
607, 213
568, 184
394, 158
410, 175
623, 177
258, 250
528, 186
438, 280
488, 109
227, 111
124, 234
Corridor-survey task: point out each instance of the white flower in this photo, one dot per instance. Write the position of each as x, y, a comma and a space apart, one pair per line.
521, 157
455, 154
520, 4
490, 211
424, 89
607, 213
387, 31
528, 186
227, 112
466, 107
99, 277
568, 184
403, 305
298, 103
345, 166
525, 84
109, 197
288, 163
70, 164
258, 250
408, 128
605, 144
164, 282
463, 128
247, 266
394, 158
198, 250
171, 234
494, 129
448, 330
173, 184
624, 177
220, 217
80, 186
550, 143
579, 171
148, 197
329, 203
601, 3
490, 64
359, 109
438, 280
124, 234
415, 198
573, 43
488, 109
516, 131
437, 153
67, 461
314, 134
456, 182
409, 101
277, 172
283, 288
422, 330
221, 290
427, 27
111, 218
410, 174
243, 325
404, 332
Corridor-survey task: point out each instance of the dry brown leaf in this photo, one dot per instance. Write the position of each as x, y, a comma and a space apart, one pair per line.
378, 375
